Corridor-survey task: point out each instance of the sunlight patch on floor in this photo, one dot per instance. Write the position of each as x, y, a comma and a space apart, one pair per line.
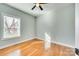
14, 53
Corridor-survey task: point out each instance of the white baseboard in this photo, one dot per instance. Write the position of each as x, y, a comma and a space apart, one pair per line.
59, 43
39, 38
63, 44
7, 45
1, 47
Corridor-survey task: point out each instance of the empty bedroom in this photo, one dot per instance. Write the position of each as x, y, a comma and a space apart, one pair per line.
37, 29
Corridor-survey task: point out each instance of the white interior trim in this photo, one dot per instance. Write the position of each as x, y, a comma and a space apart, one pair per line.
37, 38
59, 43
63, 44
1, 47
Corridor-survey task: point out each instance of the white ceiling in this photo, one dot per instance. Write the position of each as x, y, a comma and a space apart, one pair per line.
26, 7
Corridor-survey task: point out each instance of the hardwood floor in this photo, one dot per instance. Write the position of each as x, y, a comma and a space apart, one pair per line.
36, 48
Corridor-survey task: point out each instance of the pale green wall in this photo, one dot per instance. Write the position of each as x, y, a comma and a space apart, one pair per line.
27, 25
59, 24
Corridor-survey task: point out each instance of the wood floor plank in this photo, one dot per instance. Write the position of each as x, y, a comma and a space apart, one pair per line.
35, 47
